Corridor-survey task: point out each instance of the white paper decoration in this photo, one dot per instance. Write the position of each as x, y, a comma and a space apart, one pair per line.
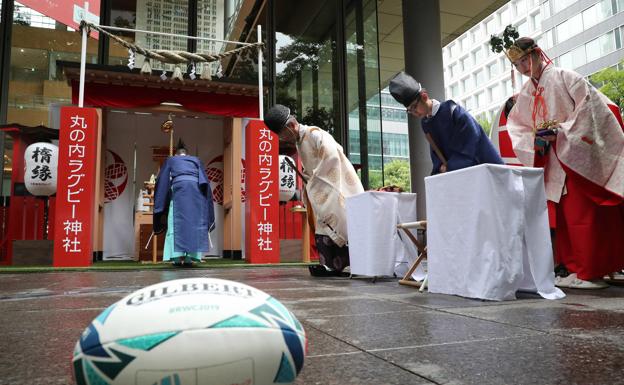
287, 179
40, 168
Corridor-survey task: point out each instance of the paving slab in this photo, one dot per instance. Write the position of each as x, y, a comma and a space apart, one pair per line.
359, 331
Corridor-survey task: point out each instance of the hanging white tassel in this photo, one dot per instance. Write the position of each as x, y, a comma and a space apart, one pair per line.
177, 74
192, 72
219, 73
147, 68
163, 75
206, 72
130, 59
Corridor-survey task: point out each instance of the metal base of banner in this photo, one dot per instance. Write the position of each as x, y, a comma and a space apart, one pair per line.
233, 254
98, 256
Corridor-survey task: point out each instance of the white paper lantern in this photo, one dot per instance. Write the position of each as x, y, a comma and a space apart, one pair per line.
287, 179
40, 168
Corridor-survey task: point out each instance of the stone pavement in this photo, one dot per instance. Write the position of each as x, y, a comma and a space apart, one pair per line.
359, 332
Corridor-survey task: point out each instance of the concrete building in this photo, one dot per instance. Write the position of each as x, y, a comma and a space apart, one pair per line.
583, 35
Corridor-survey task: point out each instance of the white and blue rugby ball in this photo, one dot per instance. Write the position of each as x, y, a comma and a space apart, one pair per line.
194, 331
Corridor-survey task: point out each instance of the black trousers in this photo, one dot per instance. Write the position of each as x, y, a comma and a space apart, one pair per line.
330, 254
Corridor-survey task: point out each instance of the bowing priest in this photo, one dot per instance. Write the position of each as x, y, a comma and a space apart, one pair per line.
330, 179
456, 139
183, 208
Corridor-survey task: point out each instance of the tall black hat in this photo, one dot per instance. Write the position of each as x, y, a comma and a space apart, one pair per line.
180, 145
276, 117
405, 89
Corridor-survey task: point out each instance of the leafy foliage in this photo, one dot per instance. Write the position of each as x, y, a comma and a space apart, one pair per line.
397, 173
485, 124
611, 83
509, 36
320, 117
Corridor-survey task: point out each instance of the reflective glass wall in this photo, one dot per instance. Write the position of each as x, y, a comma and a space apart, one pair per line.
41, 37
395, 147
329, 60
214, 21
306, 62
363, 90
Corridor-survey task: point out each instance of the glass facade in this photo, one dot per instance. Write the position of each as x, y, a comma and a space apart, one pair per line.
306, 64
35, 85
362, 74
38, 44
327, 60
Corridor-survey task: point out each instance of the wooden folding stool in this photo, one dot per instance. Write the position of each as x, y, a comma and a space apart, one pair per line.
422, 253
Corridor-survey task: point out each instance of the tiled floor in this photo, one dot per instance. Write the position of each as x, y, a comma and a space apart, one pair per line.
359, 332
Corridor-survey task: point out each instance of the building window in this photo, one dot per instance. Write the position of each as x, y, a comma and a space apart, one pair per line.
469, 103
601, 46
493, 69
573, 59
455, 50
494, 92
569, 28
463, 43
507, 86
479, 77
560, 5
476, 34
454, 70
491, 26
468, 84
536, 21
521, 7
454, 90
579, 57
596, 13
481, 99
546, 40
505, 17
466, 63
478, 55
545, 9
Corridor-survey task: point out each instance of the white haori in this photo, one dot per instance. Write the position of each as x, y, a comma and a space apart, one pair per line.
590, 141
331, 179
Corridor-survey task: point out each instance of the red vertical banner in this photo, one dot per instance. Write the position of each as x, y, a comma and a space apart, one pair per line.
262, 189
75, 192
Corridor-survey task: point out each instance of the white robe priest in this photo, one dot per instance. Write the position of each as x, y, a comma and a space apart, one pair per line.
330, 178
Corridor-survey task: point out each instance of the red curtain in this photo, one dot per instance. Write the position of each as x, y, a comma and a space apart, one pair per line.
109, 95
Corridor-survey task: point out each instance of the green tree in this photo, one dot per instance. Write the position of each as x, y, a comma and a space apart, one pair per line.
485, 123
397, 173
611, 83
374, 179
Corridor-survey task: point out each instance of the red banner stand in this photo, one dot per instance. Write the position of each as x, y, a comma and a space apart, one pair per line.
262, 187
75, 196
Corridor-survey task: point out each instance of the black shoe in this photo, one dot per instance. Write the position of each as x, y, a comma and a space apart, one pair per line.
321, 271
561, 271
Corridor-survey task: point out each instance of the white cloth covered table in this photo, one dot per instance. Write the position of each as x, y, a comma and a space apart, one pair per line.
488, 234
375, 248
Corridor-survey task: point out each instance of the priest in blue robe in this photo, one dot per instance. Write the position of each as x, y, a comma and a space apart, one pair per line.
456, 139
183, 208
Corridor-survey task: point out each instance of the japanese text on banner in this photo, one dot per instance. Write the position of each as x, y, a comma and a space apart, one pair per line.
76, 152
265, 160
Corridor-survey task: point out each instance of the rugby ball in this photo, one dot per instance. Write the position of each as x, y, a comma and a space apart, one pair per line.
194, 331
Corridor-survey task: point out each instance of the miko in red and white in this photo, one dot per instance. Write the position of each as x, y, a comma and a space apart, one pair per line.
562, 123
